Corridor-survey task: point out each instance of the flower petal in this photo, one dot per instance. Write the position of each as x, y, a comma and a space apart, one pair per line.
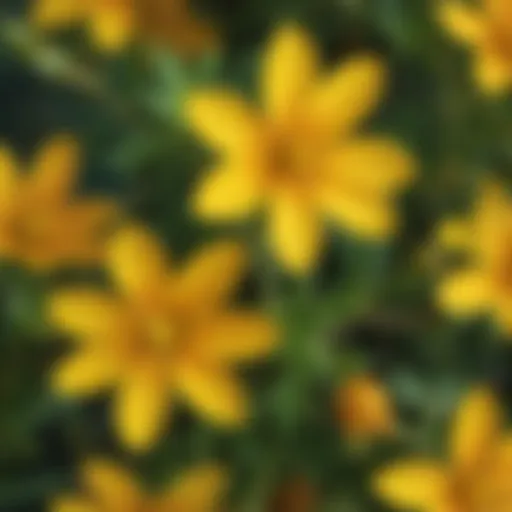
93, 213
229, 192
238, 336
492, 211
465, 293
289, 67
363, 215
492, 73
223, 120
503, 312
176, 26
112, 27
136, 261
464, 23
8, 179
55, 170
455, 234
500, 11
57, 13
86, 372
212, 393
110, 485
476, 426
72, 504
198, 490
141, 407
83, 231
415, 484
372, 165
87, 313
348, 95
210, 277
295, 233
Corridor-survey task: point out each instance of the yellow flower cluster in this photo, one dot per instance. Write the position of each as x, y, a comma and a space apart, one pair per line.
165, 333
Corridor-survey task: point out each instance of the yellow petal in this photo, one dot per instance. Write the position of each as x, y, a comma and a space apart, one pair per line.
289, 68
211, 276
86, 372
92, 214
8, 179
112, 27
54, 170
500, 11
136, 261
476, 427
72, 504
84, 231
142, 404
110, 485
198, 490
365, 216
212, 393
491, 226
57, 13
373, 165
465, 293
174, 25
415, 484
238, 337
229, 192
348, 95
223, 120
464, 23
455, 234
503, 312
87, 313
492, 73
295, 233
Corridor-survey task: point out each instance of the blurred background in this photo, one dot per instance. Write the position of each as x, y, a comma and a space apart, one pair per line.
368, 309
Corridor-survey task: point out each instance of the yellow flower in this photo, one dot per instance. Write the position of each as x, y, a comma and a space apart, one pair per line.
485, 29
302, 159
484, 284
475, 479
113, 24
168, 335
41, 224
364, 408
109, 488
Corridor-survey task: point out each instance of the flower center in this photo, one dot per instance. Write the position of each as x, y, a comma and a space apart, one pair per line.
487, 488
162, 334
34, 230
291, 162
